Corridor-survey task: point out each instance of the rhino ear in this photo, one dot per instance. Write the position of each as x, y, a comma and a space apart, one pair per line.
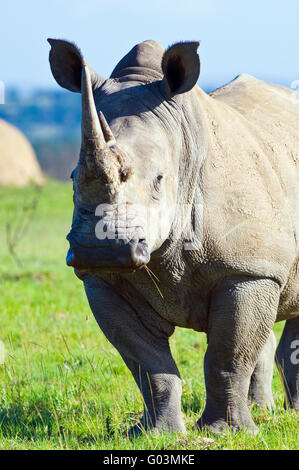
66, 62
181, 67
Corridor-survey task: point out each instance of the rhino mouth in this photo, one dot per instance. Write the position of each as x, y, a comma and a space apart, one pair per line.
108, 256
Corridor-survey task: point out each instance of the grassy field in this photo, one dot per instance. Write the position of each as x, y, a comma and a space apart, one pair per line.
63, 386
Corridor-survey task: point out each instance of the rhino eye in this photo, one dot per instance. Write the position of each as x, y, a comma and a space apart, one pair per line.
157, 182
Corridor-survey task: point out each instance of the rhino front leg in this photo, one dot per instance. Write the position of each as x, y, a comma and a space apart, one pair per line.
260, 389
145, 350
287, 360
241, 317
161, 393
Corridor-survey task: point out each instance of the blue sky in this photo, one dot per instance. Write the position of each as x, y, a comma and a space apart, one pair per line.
258, 37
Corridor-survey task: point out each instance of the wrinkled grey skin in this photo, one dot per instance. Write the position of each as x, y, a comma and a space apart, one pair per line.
260, 390
160, 123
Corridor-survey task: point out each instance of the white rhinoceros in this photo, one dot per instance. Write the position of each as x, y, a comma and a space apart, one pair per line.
219, 175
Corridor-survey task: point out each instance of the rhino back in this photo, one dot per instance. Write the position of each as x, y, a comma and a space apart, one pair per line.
250, 181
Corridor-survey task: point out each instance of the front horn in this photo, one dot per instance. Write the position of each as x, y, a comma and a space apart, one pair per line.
96, 158
93, 140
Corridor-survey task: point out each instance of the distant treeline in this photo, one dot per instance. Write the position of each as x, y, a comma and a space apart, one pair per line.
51, 121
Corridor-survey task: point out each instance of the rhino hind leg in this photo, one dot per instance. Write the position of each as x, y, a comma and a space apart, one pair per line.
145, 350
241, 318
260, 389
287, 361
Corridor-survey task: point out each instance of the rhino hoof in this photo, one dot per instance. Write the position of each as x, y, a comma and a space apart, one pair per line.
222, 427
139, 429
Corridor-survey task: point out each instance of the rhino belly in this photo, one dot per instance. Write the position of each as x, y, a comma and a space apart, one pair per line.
289, 299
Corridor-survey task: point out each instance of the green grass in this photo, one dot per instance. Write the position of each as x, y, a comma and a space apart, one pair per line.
62, 384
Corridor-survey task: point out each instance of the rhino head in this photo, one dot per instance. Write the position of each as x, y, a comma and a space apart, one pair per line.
126, 183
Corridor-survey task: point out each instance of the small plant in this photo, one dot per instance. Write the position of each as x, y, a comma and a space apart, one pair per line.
16, 229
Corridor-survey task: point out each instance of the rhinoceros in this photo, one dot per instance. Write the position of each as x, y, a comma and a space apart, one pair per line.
186, 215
